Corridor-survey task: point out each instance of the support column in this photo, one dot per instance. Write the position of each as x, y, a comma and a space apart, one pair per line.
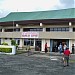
21, 29
34, 42
2, 39
70, 45
44, 29
21, 40
21, 43
43, 45
2, 29
70, 29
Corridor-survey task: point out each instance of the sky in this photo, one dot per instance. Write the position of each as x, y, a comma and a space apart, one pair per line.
7, 6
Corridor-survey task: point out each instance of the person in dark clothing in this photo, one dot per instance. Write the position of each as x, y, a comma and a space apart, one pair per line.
72, 48
46, 48
66, 57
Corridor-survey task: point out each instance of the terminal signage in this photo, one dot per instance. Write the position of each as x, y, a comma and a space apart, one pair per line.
30, 35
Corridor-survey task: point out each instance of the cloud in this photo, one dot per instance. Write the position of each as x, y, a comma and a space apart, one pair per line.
7, 6
28, 5
68, 3
3, 13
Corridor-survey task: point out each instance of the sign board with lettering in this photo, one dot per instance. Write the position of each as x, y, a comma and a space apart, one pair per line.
30, 34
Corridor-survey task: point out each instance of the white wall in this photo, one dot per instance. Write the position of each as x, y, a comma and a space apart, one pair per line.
43, 44
6, 40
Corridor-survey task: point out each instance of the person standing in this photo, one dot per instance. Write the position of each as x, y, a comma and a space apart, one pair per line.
64, 47
46, 47
66, 57
72, 48
60, 48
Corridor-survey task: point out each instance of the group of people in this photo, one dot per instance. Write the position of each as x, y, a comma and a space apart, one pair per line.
62, 48
66, 53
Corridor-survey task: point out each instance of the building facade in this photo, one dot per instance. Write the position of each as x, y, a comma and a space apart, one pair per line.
37, 28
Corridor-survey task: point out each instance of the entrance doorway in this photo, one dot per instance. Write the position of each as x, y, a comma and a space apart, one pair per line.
37, 44
55, 44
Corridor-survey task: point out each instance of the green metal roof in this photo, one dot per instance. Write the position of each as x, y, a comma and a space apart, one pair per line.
40, 15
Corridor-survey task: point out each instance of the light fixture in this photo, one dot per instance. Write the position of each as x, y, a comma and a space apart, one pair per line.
16, 25
70, 23
41, 24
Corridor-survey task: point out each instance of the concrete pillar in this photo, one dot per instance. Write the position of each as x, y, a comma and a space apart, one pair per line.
2, 29
2, 40
70, 29
21, 29
44, 29
43, 45
34, 42
21, 43
70, 45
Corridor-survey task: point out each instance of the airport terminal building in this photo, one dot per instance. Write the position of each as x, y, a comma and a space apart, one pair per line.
37, 28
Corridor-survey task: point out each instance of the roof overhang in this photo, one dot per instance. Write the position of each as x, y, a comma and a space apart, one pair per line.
44, 21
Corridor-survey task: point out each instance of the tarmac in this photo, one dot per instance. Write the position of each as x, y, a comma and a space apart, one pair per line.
35, 63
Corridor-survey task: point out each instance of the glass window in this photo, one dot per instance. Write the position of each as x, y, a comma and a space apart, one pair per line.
63, 29
17, 29
32, 29
18, 42
55, 29
51, 29
29, 42
59, 29
11, 30
8, 30
67, 29
73, 29
47, 29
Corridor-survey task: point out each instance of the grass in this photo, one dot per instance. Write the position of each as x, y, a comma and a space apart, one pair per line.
72, 61
20, 52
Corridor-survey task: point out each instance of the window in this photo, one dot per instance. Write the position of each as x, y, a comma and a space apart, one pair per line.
29, 42
18, 41
57, 29
63, 29
73, 29
67, 29
8, 30
51, 29
17, 29
47, 29
11, 30
32, 29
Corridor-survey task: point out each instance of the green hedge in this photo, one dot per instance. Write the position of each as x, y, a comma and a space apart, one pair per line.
4, 43
6, 50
